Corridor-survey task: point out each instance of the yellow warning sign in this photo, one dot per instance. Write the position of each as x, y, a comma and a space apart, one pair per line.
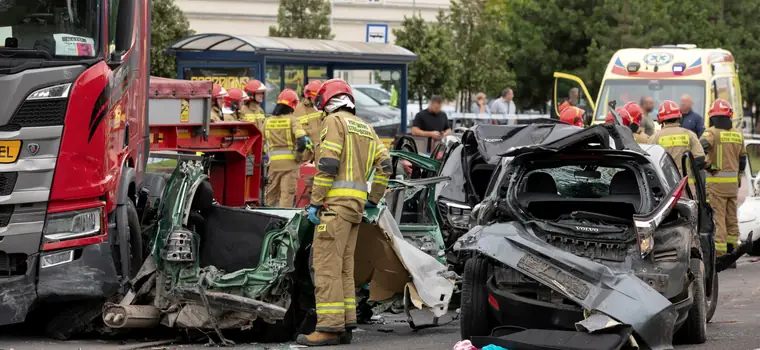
184, 115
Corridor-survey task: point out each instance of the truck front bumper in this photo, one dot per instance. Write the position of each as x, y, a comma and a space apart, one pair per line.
90, 275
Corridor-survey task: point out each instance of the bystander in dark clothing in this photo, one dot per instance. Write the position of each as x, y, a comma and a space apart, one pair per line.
431, 121
694, 122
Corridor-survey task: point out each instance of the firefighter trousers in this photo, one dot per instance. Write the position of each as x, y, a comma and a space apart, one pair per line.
333, 263
281, 188
726, 222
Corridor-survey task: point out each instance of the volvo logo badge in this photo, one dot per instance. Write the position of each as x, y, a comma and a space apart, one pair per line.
33, 148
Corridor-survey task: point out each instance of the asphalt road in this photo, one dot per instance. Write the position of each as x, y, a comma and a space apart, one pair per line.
734, 327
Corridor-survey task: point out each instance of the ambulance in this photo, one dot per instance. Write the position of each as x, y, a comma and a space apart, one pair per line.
663, 73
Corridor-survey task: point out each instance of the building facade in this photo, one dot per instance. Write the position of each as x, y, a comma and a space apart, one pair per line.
349, 17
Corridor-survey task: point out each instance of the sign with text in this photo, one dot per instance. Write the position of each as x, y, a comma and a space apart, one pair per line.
377, 33
226, 77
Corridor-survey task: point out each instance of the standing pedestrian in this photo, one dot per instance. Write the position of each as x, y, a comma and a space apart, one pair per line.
350, 151
726, 160
431, 121
691, 120
504, 105
573, 96
647, 119
480, 105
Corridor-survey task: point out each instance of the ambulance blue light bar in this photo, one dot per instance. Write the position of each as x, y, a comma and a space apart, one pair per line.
679, 68
633, 67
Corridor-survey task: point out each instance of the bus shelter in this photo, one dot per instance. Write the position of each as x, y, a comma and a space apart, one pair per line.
281, 63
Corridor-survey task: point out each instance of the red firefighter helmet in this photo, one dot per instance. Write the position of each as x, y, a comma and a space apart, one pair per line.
311, 89
218, 91
289, 98
623, 115
720, 108
635, 111
254, 86
330, 89
572, 115
235, 95
668, 110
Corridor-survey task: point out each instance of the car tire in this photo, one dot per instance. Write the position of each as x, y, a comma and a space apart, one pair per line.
712, 298
476, 313
136, 246
694, 329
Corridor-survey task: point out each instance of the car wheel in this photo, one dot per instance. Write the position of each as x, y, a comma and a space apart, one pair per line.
712, 298
476, 316
694, 329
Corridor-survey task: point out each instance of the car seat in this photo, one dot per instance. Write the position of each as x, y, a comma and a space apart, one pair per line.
540, 182
625, 187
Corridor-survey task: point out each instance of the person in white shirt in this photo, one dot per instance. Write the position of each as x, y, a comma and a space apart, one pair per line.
504, 105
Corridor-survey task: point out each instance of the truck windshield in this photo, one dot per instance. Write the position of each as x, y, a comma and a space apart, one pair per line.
49, 29
624, 91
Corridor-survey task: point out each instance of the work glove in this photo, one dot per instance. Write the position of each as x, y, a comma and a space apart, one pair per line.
313, 209
368, 205
304, 143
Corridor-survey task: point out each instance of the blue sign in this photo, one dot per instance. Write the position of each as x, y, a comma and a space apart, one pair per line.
377, 33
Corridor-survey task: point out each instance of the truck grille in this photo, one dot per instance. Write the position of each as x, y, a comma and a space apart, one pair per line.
12, 264
6, 211
7, 183
38, 113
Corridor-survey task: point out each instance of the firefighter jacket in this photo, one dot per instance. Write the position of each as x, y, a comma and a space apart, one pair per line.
311, 122
216, 114
724, 148
349, 151
640, 137
677, 140
281, 134
252, 112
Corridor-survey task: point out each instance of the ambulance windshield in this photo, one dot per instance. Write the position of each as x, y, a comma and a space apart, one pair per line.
49, 29
623, 91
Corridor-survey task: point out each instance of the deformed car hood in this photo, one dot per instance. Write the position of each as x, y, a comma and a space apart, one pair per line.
601, 136
494, 140
596, 287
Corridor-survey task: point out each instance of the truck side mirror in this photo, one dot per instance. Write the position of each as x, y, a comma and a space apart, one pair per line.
122, 36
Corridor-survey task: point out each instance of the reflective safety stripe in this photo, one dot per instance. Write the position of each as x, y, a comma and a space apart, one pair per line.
300, 133
349, 158
380, 149
723, 177
361, 186
348, 189
350, 303
332, 146
281, 155
370, 151
253, 117
732, 240
721, 247
323, 181
678, 140
380, 180
304, 119
331, 308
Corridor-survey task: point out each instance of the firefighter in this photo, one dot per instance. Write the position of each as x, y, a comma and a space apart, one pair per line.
726, 159
252, 110
349, 151
637, 115
234, 99
218, 93
284, 138
624, 115
675, 139
310, 118
572, 115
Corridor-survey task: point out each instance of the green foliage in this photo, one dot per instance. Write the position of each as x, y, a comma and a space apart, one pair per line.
168, 24
307, 19
434, 72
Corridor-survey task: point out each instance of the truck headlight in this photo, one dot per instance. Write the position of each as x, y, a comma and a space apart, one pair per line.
73, 224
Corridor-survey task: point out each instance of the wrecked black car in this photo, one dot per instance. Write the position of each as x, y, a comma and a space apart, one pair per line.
586, 226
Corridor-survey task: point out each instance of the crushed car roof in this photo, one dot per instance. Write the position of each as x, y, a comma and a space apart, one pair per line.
558, 137
492, 141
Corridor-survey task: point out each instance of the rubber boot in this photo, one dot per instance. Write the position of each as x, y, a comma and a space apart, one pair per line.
730, 250
319, 339
347, 336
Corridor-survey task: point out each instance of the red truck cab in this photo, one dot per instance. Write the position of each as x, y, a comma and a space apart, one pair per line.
73, 145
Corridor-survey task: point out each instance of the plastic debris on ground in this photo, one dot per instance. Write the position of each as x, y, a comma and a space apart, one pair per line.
464, 345
493, 347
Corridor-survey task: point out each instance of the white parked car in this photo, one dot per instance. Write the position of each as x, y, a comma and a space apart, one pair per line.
749, 211
383, 96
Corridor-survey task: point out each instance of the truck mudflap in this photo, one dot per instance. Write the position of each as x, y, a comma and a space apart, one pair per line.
619, 295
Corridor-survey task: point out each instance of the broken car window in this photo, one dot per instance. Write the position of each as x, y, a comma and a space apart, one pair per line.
574, 181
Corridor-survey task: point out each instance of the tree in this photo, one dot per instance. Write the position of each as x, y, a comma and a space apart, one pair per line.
168, 24
434, 71
481, 61
308, 19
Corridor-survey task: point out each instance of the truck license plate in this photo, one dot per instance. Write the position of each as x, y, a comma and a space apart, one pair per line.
9, 150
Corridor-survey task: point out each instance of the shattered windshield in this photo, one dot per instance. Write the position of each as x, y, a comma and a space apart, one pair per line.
624, 91
58, 28
575, 181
